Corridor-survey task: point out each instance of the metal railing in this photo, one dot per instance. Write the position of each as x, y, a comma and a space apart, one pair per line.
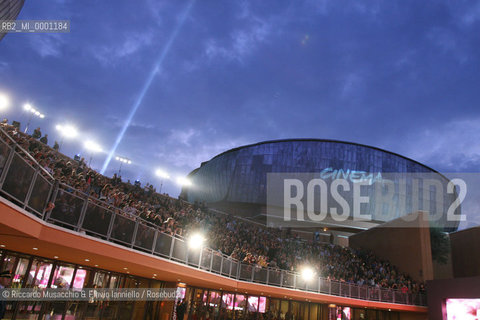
25, 183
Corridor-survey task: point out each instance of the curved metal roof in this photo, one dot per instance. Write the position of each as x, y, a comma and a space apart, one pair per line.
320, 140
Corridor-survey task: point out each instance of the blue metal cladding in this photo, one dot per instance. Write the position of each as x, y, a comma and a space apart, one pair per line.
9, 10
239, 175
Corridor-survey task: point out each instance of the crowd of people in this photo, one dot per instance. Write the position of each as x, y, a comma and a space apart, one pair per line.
246, 241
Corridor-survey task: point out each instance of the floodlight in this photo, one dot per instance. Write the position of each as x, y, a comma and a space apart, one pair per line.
196, 241
307, 273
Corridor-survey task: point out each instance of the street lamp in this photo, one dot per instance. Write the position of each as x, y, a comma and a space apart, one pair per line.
67, 131
32, 112
93, 147
196, 241
184, 182
307, 273
4, 102
163, 175
122, 161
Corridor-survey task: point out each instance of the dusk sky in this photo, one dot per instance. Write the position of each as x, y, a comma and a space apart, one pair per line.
399, 75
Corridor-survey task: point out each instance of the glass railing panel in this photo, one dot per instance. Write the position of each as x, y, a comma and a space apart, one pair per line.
363, 292
245, 272
313, 284
354, 291
300, 283
399, 297
217, 262
324, 285
163, 244
97, 220
123, 228
68, 208
235, 265
288, 279
335, 288
144, 237
344, 289
260, 275
4, 152
179, 250
418, 299
193, 256
373, 293
226, 266
18, 178
39, 196
274, 277
387, 295
206, 258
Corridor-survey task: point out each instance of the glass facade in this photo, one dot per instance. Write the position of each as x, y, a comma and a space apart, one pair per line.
239, 176
201, 303
37, 272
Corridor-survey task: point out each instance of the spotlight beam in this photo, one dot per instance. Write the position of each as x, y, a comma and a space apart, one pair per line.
147, 85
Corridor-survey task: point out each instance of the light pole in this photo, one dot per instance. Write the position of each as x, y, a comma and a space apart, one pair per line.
122, 161
93, 147
32, 112
184, 182
163, 175
67, 131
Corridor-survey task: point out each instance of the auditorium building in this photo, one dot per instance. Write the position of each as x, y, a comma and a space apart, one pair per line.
9, 10
236, 181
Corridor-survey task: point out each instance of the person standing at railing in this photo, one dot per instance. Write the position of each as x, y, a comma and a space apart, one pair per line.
44, 139
37, 133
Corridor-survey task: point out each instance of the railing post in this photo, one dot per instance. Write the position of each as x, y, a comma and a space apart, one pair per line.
253, 273
350, 290
329, 286
211, 260
238, 269
393, 296
221, 264
154, 244
171, 248
268, 276
110, 226
294, 280
6, 168
30, 189
281, 278
54, 198
50, 190
319, 284
82, 214
230, 269
200, 257
134, 233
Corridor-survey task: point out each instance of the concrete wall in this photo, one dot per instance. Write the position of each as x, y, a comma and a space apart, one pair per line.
443, 270
465, 252
440, 290
405, 244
